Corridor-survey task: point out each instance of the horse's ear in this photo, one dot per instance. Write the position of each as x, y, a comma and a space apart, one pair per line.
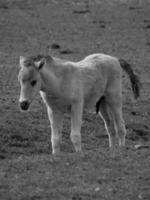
21, 61
40, 64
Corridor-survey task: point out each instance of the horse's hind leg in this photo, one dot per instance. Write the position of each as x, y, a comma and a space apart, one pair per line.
120, 125
115, 104
109, 125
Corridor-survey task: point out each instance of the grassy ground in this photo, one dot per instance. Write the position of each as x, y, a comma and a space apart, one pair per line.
28, 171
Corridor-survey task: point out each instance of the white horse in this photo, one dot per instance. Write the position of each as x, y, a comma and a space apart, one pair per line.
94, 83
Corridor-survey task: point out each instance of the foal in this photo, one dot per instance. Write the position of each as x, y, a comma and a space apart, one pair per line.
92, 84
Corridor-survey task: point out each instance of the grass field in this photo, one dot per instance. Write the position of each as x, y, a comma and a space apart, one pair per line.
72, 30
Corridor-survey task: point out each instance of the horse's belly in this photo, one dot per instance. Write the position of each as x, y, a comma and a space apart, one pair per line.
91, 100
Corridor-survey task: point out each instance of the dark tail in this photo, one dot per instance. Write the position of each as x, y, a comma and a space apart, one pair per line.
135, 82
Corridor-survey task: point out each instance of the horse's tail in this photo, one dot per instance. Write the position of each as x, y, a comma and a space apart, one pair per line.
135, 82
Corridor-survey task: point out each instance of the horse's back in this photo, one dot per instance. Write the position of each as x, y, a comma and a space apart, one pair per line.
98, 73
98, 58
102, 64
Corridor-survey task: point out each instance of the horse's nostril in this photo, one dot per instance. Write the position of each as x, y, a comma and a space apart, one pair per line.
24, 105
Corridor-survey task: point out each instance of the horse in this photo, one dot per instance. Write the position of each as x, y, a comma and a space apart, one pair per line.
93, 84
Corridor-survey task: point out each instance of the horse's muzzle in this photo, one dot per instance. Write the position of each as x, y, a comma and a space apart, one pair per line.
24, 105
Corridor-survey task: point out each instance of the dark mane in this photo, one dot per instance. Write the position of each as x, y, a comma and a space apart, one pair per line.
31, 59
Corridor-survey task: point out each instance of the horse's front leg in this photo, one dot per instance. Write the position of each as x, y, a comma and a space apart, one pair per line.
56, 119
76, 121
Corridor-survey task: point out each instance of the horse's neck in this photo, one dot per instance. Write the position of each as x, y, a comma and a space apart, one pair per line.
50, 81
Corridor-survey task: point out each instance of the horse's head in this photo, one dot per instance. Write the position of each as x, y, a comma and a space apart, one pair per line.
30, 80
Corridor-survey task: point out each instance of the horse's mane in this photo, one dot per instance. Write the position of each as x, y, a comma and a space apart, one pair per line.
31, 59
38, 57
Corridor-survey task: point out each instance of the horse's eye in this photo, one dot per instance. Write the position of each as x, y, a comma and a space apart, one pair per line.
33, 82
